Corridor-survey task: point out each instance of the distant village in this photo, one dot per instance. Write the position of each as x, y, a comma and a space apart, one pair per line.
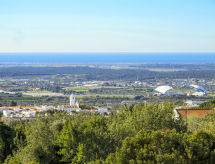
29, 112
176, 87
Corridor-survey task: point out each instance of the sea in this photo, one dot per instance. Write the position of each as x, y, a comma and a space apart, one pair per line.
87, 58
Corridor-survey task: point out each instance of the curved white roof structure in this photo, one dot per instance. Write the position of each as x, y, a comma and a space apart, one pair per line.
198, 88
163, 89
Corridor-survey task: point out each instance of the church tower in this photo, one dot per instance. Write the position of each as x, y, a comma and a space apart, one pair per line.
72, 100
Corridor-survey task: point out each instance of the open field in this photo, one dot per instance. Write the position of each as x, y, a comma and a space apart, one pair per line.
37, 94
97, 84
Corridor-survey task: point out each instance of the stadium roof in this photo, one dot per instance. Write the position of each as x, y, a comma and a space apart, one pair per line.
198, 88
163, 89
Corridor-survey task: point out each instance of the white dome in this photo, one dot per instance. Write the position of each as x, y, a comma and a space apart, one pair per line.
163, 89
198, 88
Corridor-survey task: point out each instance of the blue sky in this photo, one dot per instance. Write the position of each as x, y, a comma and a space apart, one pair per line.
107, 25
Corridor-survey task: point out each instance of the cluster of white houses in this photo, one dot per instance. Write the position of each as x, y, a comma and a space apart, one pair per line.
30, 112
73, 107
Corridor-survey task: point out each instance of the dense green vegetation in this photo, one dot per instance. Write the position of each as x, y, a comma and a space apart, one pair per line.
23, 100
85, 73
113, 83
208, 105
142, 133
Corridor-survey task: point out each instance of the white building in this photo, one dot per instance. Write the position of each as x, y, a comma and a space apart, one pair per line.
45, 108
193, 103
200, 90
164, 90
73, 102
6, 113
199, 94
102, 110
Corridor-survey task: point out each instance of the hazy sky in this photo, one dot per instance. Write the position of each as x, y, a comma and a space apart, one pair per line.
107, 25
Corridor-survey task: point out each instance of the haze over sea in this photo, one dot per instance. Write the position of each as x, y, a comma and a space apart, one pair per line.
87, 58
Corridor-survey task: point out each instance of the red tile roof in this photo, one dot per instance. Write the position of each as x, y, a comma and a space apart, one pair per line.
194, 112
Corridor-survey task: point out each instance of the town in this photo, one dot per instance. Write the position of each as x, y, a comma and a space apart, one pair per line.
178, 88
29, 112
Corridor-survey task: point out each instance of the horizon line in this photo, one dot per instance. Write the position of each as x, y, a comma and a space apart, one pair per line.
109, 52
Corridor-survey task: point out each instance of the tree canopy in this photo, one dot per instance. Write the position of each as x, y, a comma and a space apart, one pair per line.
140, 133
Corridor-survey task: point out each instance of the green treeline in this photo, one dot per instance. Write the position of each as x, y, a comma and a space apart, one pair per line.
143, 133
85, 73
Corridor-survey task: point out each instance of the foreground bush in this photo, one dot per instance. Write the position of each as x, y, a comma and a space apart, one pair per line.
143, 133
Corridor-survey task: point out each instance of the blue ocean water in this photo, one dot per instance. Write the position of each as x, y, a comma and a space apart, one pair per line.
75, 58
